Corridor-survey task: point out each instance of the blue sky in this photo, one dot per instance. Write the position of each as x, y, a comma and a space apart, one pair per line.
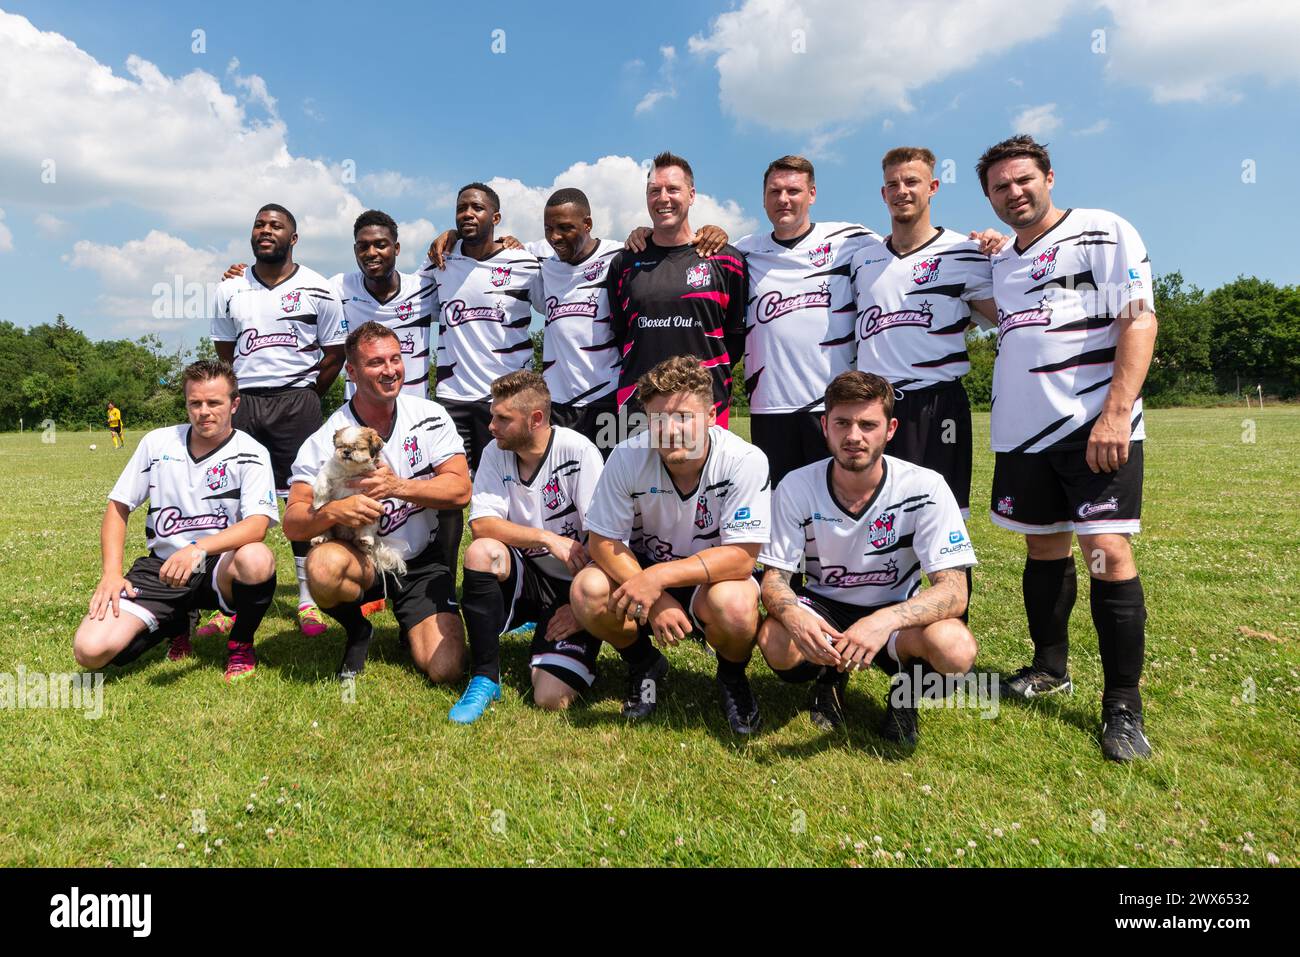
332, 108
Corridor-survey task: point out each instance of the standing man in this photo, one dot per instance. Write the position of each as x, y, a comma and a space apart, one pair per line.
115, 426
281, 328
1076, 331
866, 525
485, 307
679, 515
668, 301
799, 321
424, 471
211, 501
532, 492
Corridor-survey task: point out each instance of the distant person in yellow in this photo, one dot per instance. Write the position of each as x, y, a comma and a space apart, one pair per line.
115, 426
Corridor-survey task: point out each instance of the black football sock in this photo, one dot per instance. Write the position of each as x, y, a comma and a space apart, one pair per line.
348, 614
251, 603
1119, 614
641, 652
731, 671
1050, 588
970, 593
803, 672
138, 646
357, 649
484, 609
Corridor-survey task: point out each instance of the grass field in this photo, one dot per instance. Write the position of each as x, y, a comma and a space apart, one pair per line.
281, 770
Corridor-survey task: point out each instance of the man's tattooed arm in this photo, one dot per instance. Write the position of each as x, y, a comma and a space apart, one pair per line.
778, 596
945, 598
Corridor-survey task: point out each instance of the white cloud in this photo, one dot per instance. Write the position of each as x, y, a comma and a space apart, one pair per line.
850, 69
819, 145
181, 148
615, 185
6, 237
1101, 126
50, 226
1038, 121
390, 185
1200, 50
667, 89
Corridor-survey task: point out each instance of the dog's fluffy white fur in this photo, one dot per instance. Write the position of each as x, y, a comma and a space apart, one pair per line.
357, 451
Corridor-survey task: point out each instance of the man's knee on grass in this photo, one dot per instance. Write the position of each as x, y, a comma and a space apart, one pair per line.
253, 563
335, 574
98, 641
947, 645
438, 648
551, 693
778, 646
589, 596
729, 611
489, 556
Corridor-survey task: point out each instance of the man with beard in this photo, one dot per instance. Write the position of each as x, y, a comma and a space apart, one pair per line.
1076, 331
485, 307
678, 518
864, 526
281, 327
532, 491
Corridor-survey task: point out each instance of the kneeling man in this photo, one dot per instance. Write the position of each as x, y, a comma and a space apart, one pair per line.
679, 515
864, 525
211, 501
423, 471
532, 491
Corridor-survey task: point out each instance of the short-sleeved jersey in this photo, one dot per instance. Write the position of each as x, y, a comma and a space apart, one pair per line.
114, 417
484, 308
666, 301
874, 557
1057, 332
799, 319
637, 502
410, 314
423, 437
580, 354
556, 498
278, 331
189, 498
913, 310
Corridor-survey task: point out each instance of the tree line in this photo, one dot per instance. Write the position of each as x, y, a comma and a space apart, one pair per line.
1211, 346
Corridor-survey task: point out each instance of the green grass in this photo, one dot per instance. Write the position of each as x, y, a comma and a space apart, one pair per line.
387, 780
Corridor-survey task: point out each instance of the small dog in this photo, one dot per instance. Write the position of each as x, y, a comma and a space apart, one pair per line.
357, 452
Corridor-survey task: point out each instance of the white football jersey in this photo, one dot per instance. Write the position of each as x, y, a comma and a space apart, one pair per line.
191, 498
875, 557
1057, 303
556, 498
913, 310
410, 314
580, 357
484, 308
423, 438
799, 320
278, 331
636, 501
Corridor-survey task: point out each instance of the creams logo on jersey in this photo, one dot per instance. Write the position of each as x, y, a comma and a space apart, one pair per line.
215, 478
404, 310
552, 497
882, 531
927, 270
396, 514
820, 255
1044, 264
500, 275
837, 576
698, 276
594, 270
411, 446
772, 305
703, 517
249, 341
1041, 315
586, 308
289, 301
874, 321
171, 521
458, 313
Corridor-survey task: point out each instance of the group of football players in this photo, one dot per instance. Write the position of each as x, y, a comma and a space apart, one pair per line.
609, 502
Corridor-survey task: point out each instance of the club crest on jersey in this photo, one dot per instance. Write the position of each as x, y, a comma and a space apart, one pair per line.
594, 270
882, 531
411, 446
820, 255
552, 497
1006, 505
289, 301
404, 310
703, 517
216, 478
698, 276
500, 275
927, 270
1044, 264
